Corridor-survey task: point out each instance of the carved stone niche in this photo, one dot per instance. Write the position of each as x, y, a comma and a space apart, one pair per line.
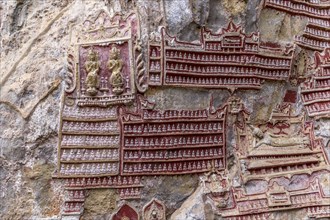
106, 53
125, 212
154, 210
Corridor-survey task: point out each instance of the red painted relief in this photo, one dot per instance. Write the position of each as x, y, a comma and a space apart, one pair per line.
173, 141
277, 198
310, 9
99, 73
101, 146
100, 77
318, 212
126, 212
75, 202
278, 170
271, 149
278, 195
230, 59
316, 90
106, 144
154, 210
316, 34
89, 143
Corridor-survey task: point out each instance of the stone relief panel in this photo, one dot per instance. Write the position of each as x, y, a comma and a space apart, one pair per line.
282, 165
316, 35
154, 210
107, 52
281, 194
102, 62
126, 212
229, 59
216, 188
187, 109
315, 91
282, 147
113, 137
173, 142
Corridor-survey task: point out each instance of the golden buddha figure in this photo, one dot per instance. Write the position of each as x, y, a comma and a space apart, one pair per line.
92, 67
115, 65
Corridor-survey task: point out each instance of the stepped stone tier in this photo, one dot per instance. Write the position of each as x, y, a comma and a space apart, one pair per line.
162, 109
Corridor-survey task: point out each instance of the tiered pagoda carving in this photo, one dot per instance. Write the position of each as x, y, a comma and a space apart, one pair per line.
316, 90
316, 35
271, 158
282, 147
100, 77
230, 59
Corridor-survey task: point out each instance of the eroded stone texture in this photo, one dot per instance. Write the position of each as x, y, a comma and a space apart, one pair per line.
93, 202
272, 163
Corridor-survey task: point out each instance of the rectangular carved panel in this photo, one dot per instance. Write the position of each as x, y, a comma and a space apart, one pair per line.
316, 91
89, 145
173, 142
230, 59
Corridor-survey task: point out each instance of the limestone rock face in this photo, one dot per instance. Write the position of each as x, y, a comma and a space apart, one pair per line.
193, 208
273, 158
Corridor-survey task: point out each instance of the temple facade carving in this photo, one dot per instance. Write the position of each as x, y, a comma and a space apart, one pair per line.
206, 64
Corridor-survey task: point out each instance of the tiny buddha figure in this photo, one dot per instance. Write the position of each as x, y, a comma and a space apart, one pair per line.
92, 67
115, 65
215, 184
154, 213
